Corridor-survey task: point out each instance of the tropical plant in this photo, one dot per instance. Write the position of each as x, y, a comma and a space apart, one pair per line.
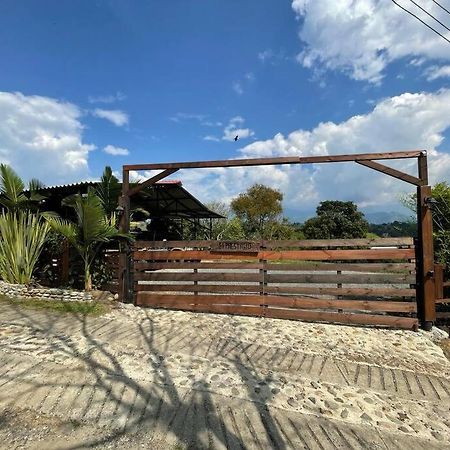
22, 237
14, 196
92, 229
109, 190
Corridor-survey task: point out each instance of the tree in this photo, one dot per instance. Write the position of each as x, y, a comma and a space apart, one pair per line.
258, 208
109, 190
14, 196
335, 220
441, 220
92, 229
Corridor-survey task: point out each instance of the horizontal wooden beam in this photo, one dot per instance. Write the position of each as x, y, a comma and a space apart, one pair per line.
392, 172
150, 181
288, 255
298, 290
301, 266
275, 161
305, 243
168, 300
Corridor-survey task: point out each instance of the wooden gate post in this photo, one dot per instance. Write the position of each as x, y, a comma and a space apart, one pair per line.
426, 305
124, 226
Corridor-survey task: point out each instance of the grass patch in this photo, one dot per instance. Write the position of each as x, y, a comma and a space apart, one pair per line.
84, 308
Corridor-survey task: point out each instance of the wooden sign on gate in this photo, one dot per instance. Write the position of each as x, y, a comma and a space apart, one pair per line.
235, 246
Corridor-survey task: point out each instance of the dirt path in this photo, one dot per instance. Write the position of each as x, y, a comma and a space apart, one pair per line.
184, 379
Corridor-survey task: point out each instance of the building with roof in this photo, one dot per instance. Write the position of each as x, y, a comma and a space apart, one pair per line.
165, 210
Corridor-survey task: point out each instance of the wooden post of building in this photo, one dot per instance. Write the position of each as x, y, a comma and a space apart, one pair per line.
65, 263
426, 305
124, 226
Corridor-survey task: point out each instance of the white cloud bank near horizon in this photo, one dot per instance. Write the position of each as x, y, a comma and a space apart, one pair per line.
407, 121
361, 38
41, 137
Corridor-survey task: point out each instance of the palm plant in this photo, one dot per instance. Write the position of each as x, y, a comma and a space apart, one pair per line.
91, 230
14, 196
22, 237
109, 190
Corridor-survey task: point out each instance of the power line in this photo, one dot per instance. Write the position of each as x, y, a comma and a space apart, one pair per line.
430, 15
420, 20
440, 6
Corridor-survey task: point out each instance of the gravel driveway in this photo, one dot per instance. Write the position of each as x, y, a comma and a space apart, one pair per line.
139, 378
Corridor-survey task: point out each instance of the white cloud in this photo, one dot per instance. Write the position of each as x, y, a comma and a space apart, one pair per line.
118, 96
179, 117
231, 130
408, 121
116, 151
115, 116
362, 37
265, 55
211, 138
41, 137
435, 72
238, 88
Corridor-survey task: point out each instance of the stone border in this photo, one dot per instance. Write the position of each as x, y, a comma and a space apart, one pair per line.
23, 291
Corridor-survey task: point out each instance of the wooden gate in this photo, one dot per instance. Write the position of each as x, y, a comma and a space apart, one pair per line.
356, 281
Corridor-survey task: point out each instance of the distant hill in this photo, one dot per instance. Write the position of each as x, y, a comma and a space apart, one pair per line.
394, 229
386, 217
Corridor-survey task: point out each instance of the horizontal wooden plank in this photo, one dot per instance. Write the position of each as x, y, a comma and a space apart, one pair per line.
190, 276
139, 265
299, 290
443, 315
374, 278
443, 300
289, 255
322, 316
344, 318
348, 292
368, 267
277, 301
254, 288
446, 284
247, 162
326, 243
307, 265
226, 309
276, 278
172, 244
305, 243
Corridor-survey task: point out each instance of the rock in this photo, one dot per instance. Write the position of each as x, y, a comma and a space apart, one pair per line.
275, 391
368, 400
404, 429
437, 435
344, 413
291, 402
332, 405
366, 417
315, 385
312, 399
436, 334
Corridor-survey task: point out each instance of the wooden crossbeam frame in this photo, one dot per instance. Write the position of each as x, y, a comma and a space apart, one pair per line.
151, 181
425, 253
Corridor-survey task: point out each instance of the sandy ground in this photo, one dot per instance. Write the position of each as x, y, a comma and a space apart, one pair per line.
136, 375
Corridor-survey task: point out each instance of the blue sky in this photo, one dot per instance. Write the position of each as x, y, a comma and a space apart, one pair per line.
153, 81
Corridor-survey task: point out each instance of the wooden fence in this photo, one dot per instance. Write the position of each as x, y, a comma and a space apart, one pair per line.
358, 281
442, 293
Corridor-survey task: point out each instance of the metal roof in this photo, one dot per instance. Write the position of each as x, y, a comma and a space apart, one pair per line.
166, 198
